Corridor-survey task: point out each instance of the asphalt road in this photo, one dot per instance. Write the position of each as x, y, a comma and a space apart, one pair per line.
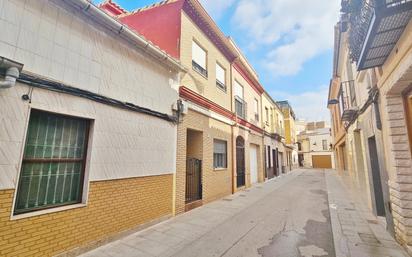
291, 221
288, 217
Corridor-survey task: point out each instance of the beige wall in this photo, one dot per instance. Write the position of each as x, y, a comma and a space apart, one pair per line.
89, 58
394, 78
249, 96
194, 80
58, 43
216, 183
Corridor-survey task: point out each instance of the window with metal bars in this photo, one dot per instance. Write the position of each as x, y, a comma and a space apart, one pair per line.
219, 154
52, 172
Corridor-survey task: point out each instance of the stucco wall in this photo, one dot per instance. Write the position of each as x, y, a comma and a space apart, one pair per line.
55, 42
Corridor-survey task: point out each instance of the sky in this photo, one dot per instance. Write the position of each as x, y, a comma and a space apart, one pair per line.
288, 42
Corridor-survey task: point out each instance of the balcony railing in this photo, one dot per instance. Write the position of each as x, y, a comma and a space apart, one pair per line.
240, 107
347, 100
375, 27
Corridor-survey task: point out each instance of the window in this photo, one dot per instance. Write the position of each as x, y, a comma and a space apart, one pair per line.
53, 162
220, 77
199, 59
240, 104
256, 110
267, 115
219, 154
325, 145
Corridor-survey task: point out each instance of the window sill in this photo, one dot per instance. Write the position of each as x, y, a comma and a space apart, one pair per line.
219, 169
47, 211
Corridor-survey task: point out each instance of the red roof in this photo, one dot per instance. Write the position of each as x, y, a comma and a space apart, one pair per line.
112, 8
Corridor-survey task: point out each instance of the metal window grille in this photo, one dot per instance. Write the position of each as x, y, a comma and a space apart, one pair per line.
52, 171
220, 154
240, 107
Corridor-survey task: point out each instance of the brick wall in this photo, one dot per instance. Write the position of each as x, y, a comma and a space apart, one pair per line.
216, 183
113, 206
396, 77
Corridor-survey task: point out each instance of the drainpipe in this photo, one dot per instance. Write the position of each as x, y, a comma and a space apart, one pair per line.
12, 72
9, 81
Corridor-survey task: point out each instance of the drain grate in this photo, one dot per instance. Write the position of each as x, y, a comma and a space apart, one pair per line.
227, 199
242, 195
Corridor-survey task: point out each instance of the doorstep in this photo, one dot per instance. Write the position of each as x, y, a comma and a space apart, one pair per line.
193, 205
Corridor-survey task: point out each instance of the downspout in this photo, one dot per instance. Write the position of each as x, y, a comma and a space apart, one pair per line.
12, 72
9, 81
232, 128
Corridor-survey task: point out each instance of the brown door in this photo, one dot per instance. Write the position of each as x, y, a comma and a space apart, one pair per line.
240, 162
408, 107
322, 161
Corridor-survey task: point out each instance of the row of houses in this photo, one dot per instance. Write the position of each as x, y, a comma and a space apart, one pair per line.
112, 121
371, 105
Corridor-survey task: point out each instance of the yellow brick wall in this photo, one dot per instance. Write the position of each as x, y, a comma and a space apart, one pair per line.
192, 79
113, 206
216, 183
250, 138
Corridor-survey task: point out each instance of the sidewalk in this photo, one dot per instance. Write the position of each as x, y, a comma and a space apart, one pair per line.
356, 231
170, 237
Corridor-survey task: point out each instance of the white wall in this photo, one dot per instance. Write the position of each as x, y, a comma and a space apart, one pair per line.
58, 44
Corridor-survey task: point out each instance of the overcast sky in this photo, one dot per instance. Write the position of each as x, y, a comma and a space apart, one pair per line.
289, 42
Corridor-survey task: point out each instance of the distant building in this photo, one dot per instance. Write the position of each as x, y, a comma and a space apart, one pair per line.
314, 145
290, 135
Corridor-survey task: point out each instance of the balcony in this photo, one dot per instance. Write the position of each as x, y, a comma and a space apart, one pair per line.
348, 104
375, 28
240, 107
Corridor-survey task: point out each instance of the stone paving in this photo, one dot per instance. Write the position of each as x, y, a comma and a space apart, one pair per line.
291, 216
356, 231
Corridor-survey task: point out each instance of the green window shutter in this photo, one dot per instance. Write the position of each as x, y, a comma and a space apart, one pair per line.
53, 162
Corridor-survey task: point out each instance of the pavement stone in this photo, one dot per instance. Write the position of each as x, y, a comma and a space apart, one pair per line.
356, 231
292, 216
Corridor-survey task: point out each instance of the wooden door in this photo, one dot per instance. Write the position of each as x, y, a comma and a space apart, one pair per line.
322, 161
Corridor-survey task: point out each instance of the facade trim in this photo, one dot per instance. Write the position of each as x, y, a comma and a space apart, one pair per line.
191, 96
188, 94
258, 88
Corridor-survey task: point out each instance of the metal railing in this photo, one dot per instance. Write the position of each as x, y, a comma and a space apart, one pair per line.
240, 107
360, 14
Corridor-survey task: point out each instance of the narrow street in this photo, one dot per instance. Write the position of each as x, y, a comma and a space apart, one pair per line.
285, 217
